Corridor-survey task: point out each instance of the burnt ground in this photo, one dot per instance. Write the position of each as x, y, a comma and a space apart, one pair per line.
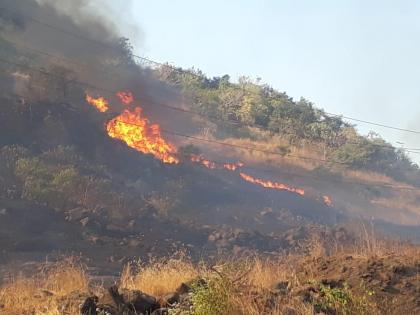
391, 282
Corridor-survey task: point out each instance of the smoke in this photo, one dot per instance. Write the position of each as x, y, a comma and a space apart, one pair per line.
91, 19
61, 29
105, 14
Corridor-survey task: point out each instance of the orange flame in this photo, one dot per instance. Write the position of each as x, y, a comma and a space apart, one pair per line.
137, 132
100, 103
233, 166
213, 165
270, 184
327, 200
126, 97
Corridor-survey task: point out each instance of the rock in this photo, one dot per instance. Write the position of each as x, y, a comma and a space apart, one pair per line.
282, 287
161, 311
172, 298
134, 242
390, 289
84, 221
183, 289
108, 310
89, 306
289, 311
332, 283
138, 301
400, 270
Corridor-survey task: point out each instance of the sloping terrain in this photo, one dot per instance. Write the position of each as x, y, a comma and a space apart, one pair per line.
158, 166
377, 281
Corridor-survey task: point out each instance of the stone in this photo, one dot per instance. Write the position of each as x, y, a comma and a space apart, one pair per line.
282, 287
161, 311
172, 298
138, 301
89, 306
84, 221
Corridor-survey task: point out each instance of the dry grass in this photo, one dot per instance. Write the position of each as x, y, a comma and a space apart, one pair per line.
402, 200
265, 274
44, 294
159, 278
280, 145
245, 285
369, 177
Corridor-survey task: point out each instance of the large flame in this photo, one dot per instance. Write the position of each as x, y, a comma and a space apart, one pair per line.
137, 132
100, 103
272, 185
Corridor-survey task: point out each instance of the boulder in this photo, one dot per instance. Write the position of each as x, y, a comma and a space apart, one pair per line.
138, 301
89, 306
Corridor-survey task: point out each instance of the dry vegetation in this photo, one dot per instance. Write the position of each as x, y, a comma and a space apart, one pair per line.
159, 277
326, 280
47, 293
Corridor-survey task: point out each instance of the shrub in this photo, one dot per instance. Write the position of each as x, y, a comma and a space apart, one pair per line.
212, 298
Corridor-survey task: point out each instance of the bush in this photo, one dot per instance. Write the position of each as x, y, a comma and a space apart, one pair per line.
342, 301
212, 298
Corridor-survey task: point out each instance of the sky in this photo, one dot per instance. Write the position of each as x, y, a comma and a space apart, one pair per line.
356, 58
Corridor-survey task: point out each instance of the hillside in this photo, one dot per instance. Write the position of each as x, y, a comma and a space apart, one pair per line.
113, 158
215, 140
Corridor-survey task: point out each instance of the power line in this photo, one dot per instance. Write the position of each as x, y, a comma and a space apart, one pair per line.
336, 180
409, 150
390, 186
275, 153
102, 44
375, 124
189, 136
86, 84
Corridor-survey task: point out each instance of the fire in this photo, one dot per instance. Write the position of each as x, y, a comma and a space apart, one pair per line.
233, 166
272, 185
213, 165
126, 97
199, 159
100, 103
137, 132
327, 200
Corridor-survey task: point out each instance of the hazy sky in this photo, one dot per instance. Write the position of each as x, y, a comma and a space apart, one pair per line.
357, 58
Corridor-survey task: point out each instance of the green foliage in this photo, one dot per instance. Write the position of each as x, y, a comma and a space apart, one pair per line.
342, 301
211, 298
253, 104
9, 155
354, 155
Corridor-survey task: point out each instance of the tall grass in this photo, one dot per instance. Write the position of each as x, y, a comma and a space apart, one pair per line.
159, 277
251, 285
43, 294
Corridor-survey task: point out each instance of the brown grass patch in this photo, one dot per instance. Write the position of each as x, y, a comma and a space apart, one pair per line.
44, 293
159, 278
